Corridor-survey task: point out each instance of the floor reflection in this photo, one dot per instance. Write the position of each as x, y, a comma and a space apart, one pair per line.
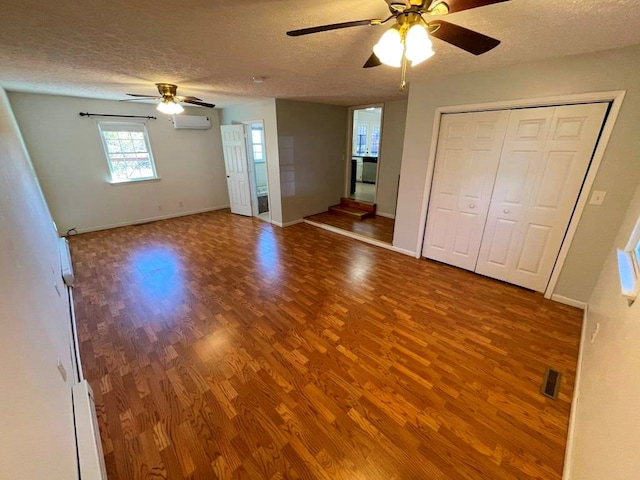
268, 253
159, 277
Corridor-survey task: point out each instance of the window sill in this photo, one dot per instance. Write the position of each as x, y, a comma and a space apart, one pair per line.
127, 182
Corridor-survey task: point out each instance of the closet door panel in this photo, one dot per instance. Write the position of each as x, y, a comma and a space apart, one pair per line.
558, 162
466, 162
525, 139
574, 133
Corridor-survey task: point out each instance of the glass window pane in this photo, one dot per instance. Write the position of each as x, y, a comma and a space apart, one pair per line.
139, 146
636, 251
124, 135
256, 136
137, 135
127, 145
113, 146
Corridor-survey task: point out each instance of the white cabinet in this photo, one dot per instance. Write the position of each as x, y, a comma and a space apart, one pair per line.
505, 186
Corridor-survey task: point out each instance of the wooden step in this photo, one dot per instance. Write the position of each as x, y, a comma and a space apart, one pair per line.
350, 212
358, 205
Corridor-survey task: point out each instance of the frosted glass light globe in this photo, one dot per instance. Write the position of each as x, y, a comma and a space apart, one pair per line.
419, 47
389, 48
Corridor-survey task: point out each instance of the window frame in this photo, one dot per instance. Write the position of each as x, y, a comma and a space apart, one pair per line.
629, 266
255, 144
128, 126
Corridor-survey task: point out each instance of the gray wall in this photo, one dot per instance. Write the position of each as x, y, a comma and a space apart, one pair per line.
607, 426
36, 420
69, 158
619, 172
311, 145
393, 126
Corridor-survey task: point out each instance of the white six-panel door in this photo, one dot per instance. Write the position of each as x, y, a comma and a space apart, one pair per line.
467, 159
544, 161
234, 147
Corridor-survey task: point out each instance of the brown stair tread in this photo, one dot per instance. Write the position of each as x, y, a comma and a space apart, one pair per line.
358, 205
348, 211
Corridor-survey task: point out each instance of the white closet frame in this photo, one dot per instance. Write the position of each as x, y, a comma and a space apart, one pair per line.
615, 97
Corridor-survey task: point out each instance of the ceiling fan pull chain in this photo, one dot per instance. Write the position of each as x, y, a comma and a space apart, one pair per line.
403, 76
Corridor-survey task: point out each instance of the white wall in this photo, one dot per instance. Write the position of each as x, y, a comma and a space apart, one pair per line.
607, 429
69, 158
619, 173
393, 126
312, 145
36, 423
264, 110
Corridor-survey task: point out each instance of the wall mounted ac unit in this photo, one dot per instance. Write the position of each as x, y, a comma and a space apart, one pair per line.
191, 122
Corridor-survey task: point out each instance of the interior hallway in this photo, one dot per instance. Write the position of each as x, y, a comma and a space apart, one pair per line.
220, 346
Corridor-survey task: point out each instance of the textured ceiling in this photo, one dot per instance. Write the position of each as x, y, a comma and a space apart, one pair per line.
212, 48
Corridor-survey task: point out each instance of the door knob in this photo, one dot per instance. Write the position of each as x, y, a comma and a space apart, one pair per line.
506, 210
472, 205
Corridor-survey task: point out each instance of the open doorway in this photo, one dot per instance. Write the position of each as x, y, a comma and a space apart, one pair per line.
366, 133
258, 167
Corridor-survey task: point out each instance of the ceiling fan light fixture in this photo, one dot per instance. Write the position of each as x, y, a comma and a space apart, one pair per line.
170, 107
390, 48
418, 44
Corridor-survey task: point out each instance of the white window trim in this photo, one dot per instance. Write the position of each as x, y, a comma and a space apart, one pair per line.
629, 266
147, 141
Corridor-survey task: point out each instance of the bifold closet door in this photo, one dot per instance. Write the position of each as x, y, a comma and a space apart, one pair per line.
544, 161
467, 158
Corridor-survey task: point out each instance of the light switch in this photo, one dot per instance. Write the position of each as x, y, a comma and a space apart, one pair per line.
597, 197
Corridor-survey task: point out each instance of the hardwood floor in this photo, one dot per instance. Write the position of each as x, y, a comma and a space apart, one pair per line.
378, 228
223, 347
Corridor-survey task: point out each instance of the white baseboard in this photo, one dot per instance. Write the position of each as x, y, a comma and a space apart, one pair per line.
287, 224
385, 215
362, 238
150, 219
568, 453
568, 301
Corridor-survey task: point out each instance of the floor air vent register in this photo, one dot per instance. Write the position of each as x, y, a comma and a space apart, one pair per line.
551, 384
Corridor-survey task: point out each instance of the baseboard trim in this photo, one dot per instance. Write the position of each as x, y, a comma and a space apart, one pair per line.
150, 219
287, 224
385, 215
568, 453
569, 301
361, 238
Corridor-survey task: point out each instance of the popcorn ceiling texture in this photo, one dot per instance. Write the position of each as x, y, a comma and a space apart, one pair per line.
211, 49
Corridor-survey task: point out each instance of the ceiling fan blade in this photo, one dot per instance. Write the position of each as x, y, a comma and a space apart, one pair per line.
141, 96
453, 6
472, 42
195, 102
184, 99
333, 26
373, 61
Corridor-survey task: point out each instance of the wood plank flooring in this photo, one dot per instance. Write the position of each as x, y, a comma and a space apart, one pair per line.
378, 228
222, 347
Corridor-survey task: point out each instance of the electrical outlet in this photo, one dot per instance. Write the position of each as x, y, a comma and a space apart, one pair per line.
597, 197
62, 370
180, 204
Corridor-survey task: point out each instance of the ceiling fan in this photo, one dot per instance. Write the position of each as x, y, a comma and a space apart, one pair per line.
170, 102
408, 39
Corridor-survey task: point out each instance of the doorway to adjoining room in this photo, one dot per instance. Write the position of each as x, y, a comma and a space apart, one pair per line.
258, 155
365, 150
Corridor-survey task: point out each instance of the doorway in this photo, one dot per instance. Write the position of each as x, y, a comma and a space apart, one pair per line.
258, 167
366, 134
245, 157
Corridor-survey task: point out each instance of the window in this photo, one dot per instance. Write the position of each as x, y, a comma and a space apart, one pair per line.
375, 141
256, 144
629, 266
361, 140
128, 151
